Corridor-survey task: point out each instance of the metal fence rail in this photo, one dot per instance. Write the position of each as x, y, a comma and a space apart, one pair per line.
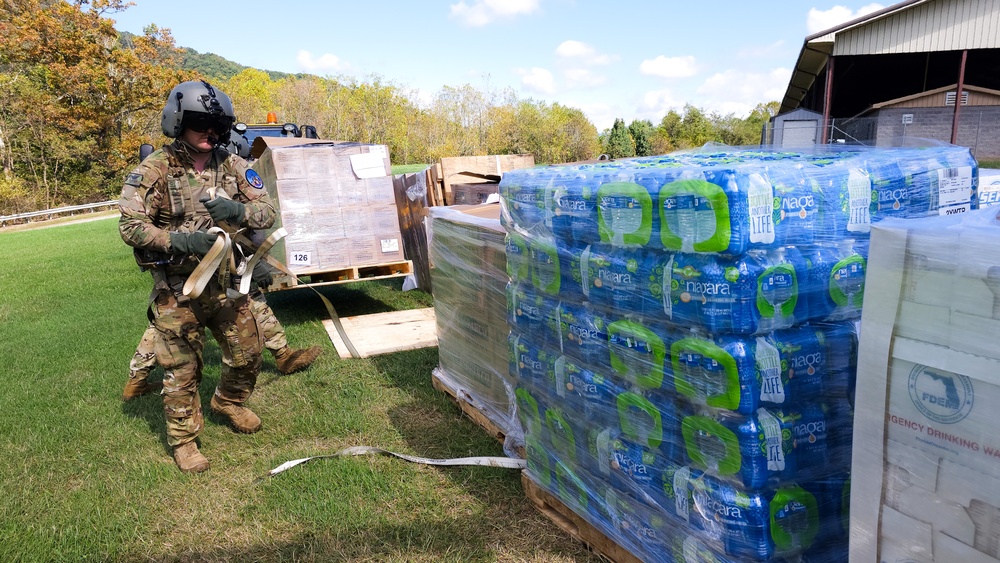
53, 213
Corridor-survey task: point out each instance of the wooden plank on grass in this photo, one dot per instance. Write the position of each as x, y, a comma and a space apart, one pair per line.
382, 333
573, 524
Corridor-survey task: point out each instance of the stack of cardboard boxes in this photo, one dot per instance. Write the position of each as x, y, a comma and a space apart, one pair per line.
926, 472
335, 200
469, 277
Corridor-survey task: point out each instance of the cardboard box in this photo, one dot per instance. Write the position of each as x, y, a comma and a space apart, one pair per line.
926, 455
470, 305
334, 252
330, 191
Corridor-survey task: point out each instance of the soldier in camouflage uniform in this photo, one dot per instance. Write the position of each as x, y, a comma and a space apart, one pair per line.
168, 204
287, 359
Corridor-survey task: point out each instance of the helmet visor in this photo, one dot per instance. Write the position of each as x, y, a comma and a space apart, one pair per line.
201, 122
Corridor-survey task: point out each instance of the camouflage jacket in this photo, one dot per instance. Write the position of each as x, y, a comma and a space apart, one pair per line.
162, 195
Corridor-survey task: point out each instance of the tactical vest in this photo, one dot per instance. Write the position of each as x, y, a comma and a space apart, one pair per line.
184, 211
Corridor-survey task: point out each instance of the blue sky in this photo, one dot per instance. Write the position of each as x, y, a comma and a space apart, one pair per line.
628, 59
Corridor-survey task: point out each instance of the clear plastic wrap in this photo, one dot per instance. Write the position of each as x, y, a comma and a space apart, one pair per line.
684, 334
469, 278
928, 394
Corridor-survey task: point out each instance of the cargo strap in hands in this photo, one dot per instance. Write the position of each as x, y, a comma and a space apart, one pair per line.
221, 261
486, 461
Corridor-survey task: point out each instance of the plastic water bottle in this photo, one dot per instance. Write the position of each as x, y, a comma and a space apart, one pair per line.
691, 362
704, 216
849, 276
714, 376
686, 221
670, 222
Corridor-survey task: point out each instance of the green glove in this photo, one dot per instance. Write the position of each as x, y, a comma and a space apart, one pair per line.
198, 242
262, 275
224, 209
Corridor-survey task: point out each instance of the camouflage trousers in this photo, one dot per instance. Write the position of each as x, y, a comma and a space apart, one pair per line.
274, 338
180, 343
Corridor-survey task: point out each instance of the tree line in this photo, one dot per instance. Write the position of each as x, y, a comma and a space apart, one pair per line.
77, 98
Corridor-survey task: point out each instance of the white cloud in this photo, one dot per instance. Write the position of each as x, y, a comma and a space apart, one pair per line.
324, 64
656, 103
484, 12
669, 67
738, 92
538, 80
583, 52
819, 20
600, 114
583, 77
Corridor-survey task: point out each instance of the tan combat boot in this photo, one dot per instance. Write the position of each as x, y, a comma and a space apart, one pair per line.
243, 419
290, 360
189, 459
138, 386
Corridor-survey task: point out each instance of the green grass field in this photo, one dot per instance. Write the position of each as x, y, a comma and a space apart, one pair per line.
87, 477
407, 168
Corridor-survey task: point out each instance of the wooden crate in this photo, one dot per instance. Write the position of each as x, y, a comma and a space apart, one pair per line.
477, 169
573, 524
412, 212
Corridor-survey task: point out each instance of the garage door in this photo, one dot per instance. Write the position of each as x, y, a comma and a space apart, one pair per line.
799, 133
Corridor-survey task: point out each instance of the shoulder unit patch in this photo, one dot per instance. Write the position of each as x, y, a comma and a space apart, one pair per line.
134, 179
254, 179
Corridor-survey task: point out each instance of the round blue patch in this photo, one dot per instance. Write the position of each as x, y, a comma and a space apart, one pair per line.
254, 179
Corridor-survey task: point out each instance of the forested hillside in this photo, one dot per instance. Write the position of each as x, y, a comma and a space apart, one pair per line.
77, 99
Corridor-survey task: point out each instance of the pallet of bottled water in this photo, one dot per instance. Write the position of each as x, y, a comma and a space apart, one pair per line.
732, 201
683, 337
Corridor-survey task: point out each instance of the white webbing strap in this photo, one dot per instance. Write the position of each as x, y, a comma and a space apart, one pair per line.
248, 266
484, 461
212, 263
220, 260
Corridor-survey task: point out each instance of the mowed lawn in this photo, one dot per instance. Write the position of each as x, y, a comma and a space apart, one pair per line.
87, 477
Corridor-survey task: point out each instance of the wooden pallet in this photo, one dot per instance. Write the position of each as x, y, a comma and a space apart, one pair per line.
343, 275
467, 405
574, 524
383, 333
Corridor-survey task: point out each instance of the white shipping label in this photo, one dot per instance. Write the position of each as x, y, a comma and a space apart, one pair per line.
299, 258
954, 185
368, 165
390, 245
